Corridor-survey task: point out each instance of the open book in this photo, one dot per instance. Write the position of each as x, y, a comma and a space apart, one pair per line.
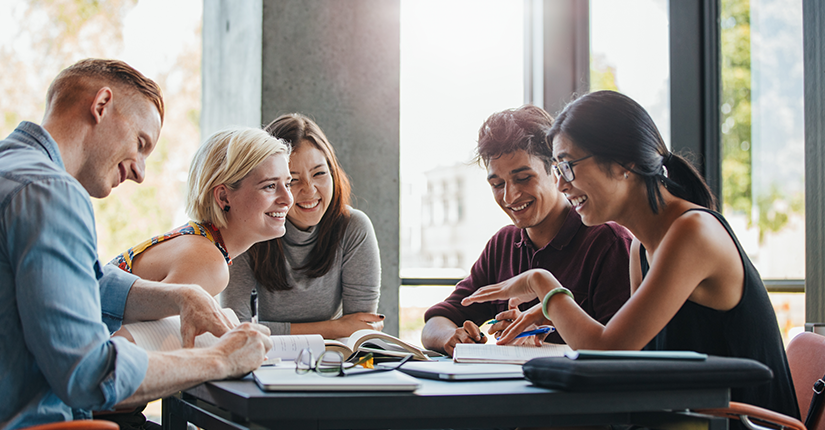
164, 335
380, 344
506, 354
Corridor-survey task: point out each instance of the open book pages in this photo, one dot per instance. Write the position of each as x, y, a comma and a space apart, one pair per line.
506, 354
378, 343
164, 335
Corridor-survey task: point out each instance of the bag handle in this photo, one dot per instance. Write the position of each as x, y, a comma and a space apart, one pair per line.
816, 401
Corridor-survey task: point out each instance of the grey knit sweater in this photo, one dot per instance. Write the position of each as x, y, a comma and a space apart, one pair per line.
352, 285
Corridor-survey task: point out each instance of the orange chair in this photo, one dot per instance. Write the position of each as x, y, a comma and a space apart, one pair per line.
77, 425
806, 359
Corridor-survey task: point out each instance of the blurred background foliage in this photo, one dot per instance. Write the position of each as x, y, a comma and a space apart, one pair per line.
772, 208
53, 34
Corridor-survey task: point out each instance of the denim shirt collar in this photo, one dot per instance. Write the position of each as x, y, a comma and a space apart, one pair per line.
37, 137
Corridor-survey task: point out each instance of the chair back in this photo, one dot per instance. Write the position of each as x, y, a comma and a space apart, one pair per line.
806, 358
77, 425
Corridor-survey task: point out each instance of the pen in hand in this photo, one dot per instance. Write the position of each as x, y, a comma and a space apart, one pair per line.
540, 330
495, 321
253, 306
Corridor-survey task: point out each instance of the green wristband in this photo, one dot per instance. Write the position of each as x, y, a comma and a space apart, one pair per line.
553, 292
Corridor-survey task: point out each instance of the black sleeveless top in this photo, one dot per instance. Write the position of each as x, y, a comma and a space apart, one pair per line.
749, 330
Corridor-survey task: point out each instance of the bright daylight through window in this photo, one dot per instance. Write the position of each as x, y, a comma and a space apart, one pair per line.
763, 143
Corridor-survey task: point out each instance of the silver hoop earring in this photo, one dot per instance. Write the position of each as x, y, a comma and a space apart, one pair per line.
625, 175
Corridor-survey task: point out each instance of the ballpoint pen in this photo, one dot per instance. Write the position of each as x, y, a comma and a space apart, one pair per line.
253, 305
495, 321
540, 330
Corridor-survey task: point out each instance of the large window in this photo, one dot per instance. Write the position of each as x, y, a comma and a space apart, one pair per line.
630, 53
461, 60
763, 142
38, 39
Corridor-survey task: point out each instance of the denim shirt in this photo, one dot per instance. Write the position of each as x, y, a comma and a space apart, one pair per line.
58, 307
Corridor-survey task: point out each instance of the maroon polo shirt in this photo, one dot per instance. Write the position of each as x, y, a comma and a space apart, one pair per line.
592, 262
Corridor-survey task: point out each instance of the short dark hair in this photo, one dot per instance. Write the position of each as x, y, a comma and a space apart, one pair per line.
614, 128
110, 71
520, 129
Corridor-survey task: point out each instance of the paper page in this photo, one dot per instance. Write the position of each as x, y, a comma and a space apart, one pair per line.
288, 347
164, 334
381, 340
491, 353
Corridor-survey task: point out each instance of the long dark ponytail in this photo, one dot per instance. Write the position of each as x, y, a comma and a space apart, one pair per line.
614, 128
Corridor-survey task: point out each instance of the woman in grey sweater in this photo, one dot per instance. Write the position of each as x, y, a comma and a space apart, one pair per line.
324, 275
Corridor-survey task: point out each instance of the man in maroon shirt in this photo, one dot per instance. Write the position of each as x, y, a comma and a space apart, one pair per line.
592, 262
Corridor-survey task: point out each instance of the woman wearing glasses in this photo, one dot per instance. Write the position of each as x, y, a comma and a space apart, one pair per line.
692, 285
324, 276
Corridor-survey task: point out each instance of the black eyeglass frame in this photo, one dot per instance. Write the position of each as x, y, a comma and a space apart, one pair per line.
567, 166
340, 369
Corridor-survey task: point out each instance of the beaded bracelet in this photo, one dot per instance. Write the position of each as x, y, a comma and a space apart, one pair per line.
553, 292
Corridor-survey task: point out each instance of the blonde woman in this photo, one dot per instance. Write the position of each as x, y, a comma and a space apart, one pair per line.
324, 275
237, 195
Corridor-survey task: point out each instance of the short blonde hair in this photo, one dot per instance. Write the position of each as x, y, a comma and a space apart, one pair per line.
226, 158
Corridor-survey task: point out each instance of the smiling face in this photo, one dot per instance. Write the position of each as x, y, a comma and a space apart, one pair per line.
311, 185
524, 190
596, 192
117, 148
260, 203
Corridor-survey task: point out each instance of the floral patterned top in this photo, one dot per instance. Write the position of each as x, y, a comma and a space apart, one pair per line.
207, 230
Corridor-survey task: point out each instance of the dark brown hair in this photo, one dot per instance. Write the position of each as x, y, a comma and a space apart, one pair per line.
511, 130
614, 128
267, 258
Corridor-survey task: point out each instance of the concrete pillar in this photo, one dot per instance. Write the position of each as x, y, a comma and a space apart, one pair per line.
231, 68
335, 61
813, 24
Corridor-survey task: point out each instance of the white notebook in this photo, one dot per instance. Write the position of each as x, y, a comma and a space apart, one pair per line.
285, 379
506, 354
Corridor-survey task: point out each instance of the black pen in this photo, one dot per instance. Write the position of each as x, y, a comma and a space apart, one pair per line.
253, 305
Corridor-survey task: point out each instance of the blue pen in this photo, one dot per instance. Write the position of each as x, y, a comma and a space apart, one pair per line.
540, 330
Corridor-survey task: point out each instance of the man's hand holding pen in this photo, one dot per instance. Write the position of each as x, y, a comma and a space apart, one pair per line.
534, 334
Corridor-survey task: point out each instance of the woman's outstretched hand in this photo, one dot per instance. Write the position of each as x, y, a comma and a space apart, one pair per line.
519, 289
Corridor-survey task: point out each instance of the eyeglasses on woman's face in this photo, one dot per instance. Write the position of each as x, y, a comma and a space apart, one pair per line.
332, 364
564, 169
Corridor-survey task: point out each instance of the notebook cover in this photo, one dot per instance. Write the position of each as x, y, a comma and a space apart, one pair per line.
450, 371
285, 379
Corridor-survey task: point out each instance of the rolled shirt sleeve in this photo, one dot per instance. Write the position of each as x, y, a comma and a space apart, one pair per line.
54, 263
115, 285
